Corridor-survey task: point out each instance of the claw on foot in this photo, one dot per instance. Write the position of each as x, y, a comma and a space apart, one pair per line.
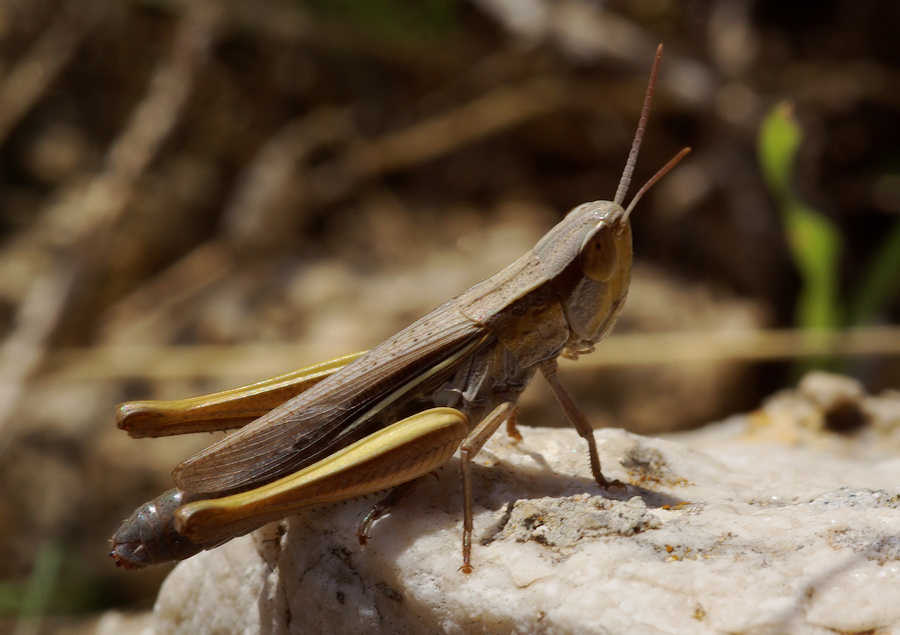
512, 430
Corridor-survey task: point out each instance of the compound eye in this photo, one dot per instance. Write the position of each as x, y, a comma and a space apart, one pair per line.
598, 254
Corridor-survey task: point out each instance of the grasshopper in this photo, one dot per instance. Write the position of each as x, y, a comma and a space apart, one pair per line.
376, 421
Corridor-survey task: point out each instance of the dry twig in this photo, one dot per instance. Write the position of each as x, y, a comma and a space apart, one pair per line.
32, 75
80, 214
252, 360
85, 209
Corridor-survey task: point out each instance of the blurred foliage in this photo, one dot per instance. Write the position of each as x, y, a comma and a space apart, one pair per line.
881, 282
815, 241
59, 584
30, 598
392, 19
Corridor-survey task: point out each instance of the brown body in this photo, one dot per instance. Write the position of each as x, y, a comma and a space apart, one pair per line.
509, 323
470, 358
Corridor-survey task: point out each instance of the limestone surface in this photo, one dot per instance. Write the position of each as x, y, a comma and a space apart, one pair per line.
724, 530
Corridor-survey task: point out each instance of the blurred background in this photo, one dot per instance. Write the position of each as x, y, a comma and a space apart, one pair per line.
200, 194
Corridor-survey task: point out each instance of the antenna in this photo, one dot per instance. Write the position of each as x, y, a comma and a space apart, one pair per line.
653, 179
625, 181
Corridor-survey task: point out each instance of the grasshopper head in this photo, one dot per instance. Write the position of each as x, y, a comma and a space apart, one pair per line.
597, 289
606, 248
594, 300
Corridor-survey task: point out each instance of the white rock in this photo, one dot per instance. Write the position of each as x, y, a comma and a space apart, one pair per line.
738, 537
828, 389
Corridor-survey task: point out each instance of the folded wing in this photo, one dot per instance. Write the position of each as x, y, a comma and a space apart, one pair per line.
333, 413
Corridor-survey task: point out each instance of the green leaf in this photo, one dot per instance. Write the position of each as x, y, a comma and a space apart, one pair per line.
881, 282
814, 241
816, 248
779, 138
43, 580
